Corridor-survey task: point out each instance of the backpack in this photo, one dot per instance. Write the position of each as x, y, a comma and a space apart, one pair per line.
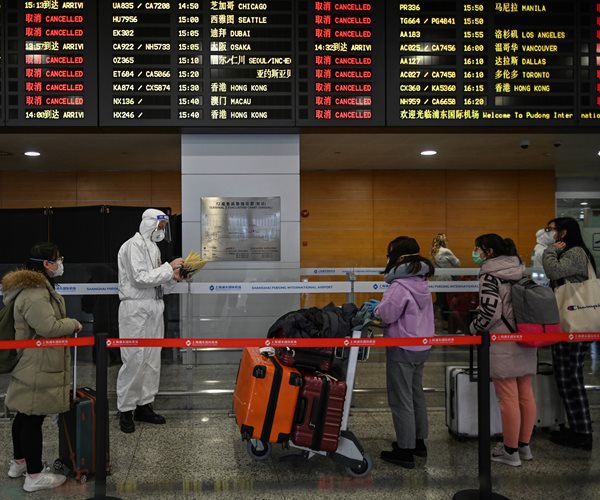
329, 322
8, 357
535, 311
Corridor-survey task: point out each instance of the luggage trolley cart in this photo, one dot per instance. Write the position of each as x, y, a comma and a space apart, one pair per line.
349, 452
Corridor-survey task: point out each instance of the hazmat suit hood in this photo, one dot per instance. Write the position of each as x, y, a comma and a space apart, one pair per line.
149, 226
539, 237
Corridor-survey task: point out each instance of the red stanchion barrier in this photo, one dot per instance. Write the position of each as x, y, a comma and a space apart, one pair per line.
315, 342
39, 343
549, 337
279, 342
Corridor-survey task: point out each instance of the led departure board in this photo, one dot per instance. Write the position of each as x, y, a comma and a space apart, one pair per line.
51, 63
197, 63
251, 63
475, 61
300, 63
341, 51
151, 63
1, 65
589, 54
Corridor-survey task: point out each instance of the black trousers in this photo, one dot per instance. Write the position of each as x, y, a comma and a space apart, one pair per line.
27, 440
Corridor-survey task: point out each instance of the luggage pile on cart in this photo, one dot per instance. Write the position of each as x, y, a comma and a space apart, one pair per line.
301, 397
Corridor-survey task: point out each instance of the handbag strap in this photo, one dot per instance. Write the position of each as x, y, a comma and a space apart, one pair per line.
591, 272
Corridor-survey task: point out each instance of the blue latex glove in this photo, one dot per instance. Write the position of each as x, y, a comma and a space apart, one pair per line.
371, 305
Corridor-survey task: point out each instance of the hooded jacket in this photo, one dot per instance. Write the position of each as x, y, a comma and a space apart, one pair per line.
538, 250
139, 263
40, 381
406, 307
507, 359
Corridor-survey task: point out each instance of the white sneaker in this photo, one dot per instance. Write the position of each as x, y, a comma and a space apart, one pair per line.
499, 454
525, 453
16, 469
45, 480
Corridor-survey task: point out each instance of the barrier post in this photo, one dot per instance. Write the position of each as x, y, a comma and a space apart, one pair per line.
351, 277
101, 418
483, 427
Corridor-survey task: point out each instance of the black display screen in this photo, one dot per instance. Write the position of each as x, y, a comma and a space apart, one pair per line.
491, 63
50, 66
197, 63
341, 51
301, 63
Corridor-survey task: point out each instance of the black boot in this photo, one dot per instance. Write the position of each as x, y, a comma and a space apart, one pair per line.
420, 450
126, 421
399, 456
146, 413
566, 437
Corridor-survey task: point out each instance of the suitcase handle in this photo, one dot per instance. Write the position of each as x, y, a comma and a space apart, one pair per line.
312, 423
301, 410
75, 371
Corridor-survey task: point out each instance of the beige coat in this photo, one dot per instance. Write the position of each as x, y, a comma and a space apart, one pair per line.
40, 381
507, 359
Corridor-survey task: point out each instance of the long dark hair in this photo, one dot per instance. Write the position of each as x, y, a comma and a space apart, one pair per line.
405, 250
511, 249
573, 238
497, 244
38, 254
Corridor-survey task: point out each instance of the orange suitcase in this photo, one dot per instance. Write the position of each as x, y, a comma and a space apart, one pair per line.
265, 397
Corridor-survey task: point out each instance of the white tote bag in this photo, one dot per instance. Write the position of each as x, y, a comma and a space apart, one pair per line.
579, 304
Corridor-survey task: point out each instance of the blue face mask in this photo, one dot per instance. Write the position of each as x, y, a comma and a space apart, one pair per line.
477, 258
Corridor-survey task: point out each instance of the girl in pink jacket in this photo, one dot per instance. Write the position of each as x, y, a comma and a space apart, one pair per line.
407, 310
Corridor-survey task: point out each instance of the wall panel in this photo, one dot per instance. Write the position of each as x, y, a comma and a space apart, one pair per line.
340, 231
68, 189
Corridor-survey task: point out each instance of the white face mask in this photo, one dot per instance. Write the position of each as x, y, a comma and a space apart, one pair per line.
59, 270
158, 235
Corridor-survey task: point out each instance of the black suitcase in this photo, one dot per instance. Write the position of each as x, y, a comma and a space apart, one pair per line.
77, 433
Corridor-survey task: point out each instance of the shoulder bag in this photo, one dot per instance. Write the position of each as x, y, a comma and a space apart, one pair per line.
579, 304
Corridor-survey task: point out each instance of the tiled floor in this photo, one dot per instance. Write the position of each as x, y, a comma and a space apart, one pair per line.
199, 454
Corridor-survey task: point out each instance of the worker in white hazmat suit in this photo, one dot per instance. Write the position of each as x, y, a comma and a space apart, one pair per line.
142, 282
543, 239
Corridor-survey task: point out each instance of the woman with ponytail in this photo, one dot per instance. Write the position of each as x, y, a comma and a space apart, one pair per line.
511, 366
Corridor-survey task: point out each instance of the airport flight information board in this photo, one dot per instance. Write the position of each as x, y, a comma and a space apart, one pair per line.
474, 62
341, 52
300, 63
187, 63
50, 65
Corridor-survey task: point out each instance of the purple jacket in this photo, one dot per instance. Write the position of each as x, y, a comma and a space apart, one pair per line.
407, 309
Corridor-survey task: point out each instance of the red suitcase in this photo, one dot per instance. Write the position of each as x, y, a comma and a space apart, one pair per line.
265, 397
319, 414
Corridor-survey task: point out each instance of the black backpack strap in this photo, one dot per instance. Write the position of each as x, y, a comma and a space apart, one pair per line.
511, 328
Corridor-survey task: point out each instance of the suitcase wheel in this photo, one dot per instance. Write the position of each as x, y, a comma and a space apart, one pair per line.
58, 465
362, 469
259, 450
83, 478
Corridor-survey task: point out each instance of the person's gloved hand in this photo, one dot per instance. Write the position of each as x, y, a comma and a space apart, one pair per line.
370, 305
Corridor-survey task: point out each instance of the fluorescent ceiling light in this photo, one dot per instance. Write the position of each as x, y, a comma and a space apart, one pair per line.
428, 152
584, 203
32, 153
